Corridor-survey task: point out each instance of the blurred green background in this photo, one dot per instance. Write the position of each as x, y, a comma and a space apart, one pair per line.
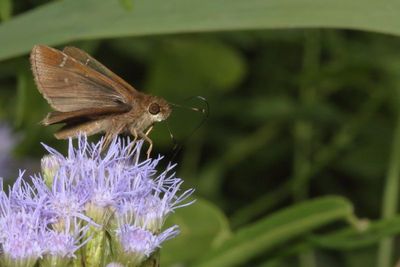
303, 136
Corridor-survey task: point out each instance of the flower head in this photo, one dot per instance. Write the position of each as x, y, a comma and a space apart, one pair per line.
85, 197
64, 201
20, 234
151, 210
137, 244
64, 243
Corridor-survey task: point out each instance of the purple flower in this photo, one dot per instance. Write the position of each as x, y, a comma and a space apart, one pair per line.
64, 243
150, 211
137, 244
64, 201
22, 194
79, 197
19, 233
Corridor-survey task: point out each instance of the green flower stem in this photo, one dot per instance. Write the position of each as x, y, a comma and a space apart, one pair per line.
303, 129
77, 262
390, 197
52, 261
153, 261
94, 249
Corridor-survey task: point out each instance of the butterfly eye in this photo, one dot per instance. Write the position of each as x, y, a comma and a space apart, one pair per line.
154, 108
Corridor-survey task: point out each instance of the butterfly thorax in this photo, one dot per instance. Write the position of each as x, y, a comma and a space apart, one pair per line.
145, 111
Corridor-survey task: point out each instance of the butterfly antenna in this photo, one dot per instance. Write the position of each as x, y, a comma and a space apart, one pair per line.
204, 110
176, 148
174, 141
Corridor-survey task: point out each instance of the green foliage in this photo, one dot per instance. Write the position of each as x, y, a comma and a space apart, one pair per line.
64, 21
5, 9
128, 4
277, 228
201, 235
295, 114
351, 239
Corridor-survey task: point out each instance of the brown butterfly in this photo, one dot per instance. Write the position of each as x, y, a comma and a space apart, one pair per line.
90, 99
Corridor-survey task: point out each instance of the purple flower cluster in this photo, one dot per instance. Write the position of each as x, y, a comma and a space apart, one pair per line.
55, 214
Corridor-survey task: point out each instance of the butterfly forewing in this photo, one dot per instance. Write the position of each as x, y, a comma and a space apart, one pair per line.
68, 85
92, 63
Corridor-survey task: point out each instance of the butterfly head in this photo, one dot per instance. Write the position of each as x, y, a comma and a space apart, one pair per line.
158, 109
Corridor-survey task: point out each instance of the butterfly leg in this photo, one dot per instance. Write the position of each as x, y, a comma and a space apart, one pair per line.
135, 137
107, 140
148, 130
148, 140
110, 135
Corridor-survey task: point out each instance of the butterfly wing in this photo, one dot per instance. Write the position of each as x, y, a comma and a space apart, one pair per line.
73, 117
92, 63
69, 85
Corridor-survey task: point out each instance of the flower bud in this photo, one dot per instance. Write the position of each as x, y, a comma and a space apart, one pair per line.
50, 165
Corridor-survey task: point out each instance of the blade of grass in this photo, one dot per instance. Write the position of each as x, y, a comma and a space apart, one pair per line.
303, 130
391, 196
59, 22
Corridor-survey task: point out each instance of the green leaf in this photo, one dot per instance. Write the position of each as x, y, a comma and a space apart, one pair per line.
351, 238
63, 21
202, 226
5, 9
127, 4
276, 229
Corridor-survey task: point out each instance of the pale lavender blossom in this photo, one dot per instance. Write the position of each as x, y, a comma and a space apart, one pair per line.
151, 210
64, 243
20, 233
22, 194
64, 201
80, 196
137, 243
